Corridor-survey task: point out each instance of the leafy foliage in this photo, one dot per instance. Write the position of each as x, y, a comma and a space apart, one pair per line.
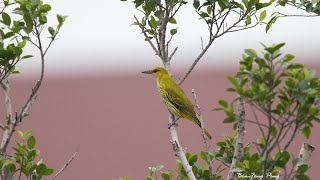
310, 6
22, 28
23, 161
287, 95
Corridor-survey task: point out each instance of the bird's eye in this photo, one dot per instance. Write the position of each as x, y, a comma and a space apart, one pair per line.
156, 70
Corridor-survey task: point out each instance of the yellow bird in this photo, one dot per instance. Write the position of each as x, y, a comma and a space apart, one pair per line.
174, 98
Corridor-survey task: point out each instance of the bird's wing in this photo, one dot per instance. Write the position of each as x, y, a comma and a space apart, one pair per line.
178, 100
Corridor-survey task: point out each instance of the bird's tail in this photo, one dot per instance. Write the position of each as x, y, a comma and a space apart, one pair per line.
207, 134
197, 121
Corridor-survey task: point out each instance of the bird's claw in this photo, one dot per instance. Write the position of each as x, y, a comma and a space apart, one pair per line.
171, 124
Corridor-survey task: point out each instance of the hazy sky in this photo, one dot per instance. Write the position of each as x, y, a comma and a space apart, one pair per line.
98, 36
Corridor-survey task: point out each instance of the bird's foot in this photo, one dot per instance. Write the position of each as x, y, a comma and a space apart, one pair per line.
172, 124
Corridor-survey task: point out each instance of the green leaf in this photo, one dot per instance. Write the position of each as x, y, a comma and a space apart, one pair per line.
222, 144
302, 169
274, 131
306, 131
173, 32
11, 167
138, 3
288, 58
223, 103
302, 177
228, 120
166, 175
41, 169
8, 35
196, 4
153, 22
52, 31
248, 20
23, 43
43, 19
263, 15
192, 159
61, 19
262, 5
6, 2
26, 134
27, 19
272, 21
209, 9
45, 8
48, 172
251, 52
31, 142
172, 20
20, 133
6, 19
203, 155
27, 56
204, 15
233, 80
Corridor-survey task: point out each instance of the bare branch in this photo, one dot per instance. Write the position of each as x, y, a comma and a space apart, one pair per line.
65, 166
172, 54
212, 38
32, 97
11, 122
305, 154
296, 15
179, 152
257, 120
207, 147
195, 62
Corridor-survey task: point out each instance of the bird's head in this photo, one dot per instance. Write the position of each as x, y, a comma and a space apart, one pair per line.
157, 72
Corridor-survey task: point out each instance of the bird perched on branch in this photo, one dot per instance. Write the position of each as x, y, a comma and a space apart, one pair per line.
174, 98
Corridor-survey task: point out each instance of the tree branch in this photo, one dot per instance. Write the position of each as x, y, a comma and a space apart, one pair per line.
32, 97
305, 154
11, 122
179, 152
207, 147
146, 36
65, 166
241, 114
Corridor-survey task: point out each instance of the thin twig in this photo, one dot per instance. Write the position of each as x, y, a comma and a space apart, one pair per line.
259, 124
52, 39
173, 52
207, 147
295, 15
212, 38
32, 97
65, 166
147, 37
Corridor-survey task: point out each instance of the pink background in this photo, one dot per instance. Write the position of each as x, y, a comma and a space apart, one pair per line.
118, 124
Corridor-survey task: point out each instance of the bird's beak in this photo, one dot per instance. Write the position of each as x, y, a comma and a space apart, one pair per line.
147, 72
